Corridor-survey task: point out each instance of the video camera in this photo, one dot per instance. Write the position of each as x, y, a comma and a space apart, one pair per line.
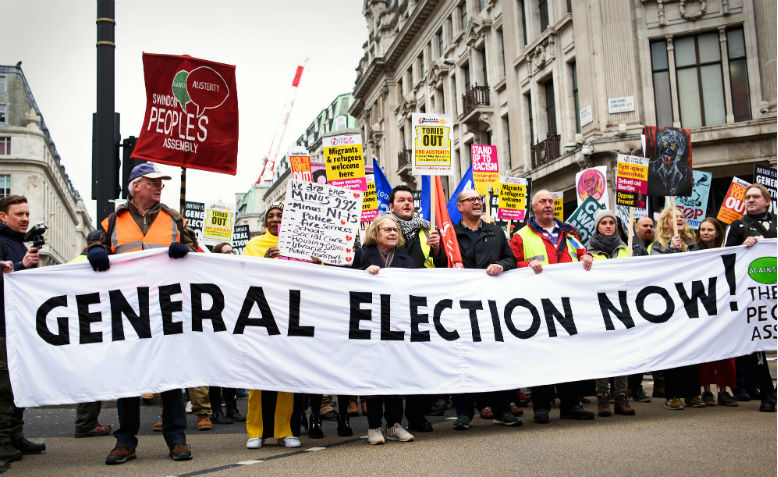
35, 235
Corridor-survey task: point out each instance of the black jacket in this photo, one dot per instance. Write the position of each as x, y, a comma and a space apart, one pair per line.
14, 250
492, 247
369, 255
748, 227
412, 247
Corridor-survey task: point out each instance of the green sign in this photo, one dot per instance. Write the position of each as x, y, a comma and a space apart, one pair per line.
762, 270
583, 218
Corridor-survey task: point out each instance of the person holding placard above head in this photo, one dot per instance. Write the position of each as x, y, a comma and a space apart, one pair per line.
757, 224
545, 241
606, 244
721, 373
673, 235
381, 250
271, 414
482, 245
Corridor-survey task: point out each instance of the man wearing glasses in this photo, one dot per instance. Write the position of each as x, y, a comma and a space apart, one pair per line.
140, 224
483, 245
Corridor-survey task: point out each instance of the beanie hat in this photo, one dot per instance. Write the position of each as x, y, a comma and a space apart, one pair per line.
601, 214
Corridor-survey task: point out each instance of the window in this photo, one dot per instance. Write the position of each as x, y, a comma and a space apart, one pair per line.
466, 71
550, 107
421, 66
528, 101
484, 73
454, 92
5, 146
441, 44
501, 45
5, 185
662, 95
3, 84
506, 131
481, 5
738, 74
575, 97
700, 83
463, 15
543, 12
3, 113
520, 9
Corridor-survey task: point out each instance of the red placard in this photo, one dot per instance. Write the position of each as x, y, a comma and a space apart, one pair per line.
191, 114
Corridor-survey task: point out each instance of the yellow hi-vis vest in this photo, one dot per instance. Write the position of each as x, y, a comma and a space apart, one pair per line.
535, 248
425, 249
623, 252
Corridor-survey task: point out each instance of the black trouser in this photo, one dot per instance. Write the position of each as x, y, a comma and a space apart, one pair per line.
760, 371
11, 423
388, 407
86, 416
415, 407
682, 382
315, 401
569, 396
465, 403
218, 395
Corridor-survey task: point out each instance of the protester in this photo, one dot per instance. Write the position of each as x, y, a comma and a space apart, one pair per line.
271, 414
14, 220
545, 241
684, 381
482, 245
644, 237
380, 250
710, 234
143, 223
606, 244
756, 224
422, 244
315, 430
219, 395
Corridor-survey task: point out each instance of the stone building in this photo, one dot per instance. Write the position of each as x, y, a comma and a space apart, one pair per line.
31, 166
562, 85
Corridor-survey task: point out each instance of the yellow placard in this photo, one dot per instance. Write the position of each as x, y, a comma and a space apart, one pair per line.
559, 205
344, 162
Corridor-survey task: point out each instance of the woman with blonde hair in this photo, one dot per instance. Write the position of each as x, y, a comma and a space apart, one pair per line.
685, 380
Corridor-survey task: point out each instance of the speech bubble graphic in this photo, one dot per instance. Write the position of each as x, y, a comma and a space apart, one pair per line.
179, 88
206, 88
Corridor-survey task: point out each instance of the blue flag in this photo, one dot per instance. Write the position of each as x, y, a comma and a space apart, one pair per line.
382, 188
424, 203
465, 184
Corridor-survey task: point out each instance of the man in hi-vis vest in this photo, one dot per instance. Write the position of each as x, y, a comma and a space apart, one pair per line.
140, 224
544, 241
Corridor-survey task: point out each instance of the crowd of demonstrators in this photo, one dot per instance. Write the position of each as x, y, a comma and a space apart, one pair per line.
756, 223
482, 246
606, 244
15, 218
545, 241
144, 223
380, 251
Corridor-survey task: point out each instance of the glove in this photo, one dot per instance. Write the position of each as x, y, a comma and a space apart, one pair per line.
177, 250
98, 258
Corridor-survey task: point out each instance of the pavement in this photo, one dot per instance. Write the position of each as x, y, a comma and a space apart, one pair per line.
716, 440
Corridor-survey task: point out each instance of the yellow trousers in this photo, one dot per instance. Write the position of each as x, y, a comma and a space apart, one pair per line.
269, 414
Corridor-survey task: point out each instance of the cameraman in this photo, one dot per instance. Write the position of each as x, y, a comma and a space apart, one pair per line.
14, 218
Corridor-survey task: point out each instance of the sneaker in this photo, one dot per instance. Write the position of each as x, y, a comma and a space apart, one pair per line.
188, 407
622, 406
9, 453
398, 433
708, 398
375, 436
180, 451
98, 430
638, 395
486, 413
204, 423
254, 443
523, 399
462, 423
507, 419
695, 402
541, 416
120, 455
27, 447
157, 426
674, 404
516, 410
577, 413
291, 441
726, 400
742, 396
603, 406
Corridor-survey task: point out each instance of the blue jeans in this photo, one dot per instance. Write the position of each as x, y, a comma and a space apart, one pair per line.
466, 402
173, 419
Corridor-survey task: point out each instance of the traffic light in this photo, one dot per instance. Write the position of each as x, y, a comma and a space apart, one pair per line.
128, 163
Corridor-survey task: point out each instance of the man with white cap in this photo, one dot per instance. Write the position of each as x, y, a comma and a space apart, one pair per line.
140, 224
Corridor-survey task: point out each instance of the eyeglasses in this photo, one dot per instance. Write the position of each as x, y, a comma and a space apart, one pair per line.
473, 200
390, 230
156, 185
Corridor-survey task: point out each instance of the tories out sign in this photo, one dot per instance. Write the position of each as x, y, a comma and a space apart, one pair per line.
191, 114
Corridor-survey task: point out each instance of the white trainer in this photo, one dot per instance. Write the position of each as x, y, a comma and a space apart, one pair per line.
375, 436
254, 443
398, 433
291, 441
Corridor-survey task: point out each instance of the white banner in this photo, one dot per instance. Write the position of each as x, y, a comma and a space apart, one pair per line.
152, 323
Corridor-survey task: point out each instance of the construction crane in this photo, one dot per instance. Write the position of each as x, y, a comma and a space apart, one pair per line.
278, 137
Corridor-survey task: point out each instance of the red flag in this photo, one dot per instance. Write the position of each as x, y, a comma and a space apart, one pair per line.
191, 114
448, 236
297, 75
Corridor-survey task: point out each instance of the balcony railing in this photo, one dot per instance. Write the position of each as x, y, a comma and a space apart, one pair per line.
404, 159
545, 151
474, 97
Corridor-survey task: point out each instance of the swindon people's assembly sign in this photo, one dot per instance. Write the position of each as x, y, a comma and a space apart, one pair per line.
191, 114
297, 327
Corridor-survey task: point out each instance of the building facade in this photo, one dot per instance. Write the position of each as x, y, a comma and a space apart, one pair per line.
562, 85
31, 166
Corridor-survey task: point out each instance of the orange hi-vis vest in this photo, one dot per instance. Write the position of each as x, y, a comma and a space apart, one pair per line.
126, 236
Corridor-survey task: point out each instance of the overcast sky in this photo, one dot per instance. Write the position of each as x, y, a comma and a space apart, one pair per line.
265, 40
